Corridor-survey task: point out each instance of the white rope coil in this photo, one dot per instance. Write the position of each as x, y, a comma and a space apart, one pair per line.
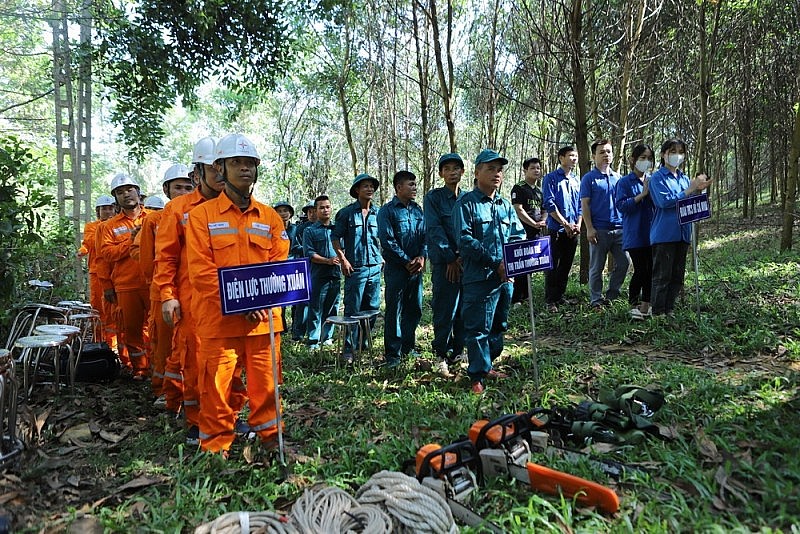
248, 523
389, 502
413, 506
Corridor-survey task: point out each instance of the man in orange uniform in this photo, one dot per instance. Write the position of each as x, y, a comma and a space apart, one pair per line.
104, 209
129, 289
232, 230
176, 183
171, 275
108, 310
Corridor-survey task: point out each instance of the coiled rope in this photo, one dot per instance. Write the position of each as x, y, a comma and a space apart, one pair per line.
388, 502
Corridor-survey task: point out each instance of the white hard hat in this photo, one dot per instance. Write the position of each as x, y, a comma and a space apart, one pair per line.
122, 179
204, 151
179, 170
104, 200
154, 202
233, 145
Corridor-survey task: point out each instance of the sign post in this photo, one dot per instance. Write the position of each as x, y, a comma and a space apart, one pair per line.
262, 286
523, 258
693, 209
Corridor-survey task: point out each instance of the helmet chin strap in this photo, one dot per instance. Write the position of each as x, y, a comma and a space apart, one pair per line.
239, 193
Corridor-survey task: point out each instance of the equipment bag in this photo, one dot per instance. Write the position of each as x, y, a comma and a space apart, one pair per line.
98, 363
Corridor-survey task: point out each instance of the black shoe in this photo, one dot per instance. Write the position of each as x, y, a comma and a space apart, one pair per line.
193, 436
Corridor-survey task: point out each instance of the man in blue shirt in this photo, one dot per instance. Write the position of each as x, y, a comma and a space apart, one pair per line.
300, 311
326, 273
355, 239
484, 221
401, 229
603, 224
448, 324
561, 199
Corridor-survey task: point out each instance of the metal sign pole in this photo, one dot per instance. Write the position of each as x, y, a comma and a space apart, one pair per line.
276, 387
696, 268
534, 347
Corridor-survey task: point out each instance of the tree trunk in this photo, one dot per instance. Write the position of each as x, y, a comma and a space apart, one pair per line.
634, 14
578, 88
446, 84
422, 50
791, 185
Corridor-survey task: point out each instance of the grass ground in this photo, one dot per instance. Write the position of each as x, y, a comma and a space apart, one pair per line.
106, 459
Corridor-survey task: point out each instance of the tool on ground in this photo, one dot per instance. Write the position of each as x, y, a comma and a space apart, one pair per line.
450, 472
504, 449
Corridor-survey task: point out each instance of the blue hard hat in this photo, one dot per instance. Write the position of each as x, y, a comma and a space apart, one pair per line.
285, 204
445, 158
488, 155
360, 178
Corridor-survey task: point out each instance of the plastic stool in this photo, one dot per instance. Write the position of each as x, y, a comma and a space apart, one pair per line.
346, 326
365, 319
34, 350
74, 340
89, 325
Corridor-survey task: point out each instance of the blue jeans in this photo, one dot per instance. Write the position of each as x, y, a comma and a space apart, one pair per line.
607, 241
448, 323
323, 304
362, 292
299, 317
486, 306
403, 310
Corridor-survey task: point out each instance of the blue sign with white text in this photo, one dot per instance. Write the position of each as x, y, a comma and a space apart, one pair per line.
694, 208
523, 257
263, 285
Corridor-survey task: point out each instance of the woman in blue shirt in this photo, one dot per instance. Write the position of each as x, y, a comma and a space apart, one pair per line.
669, 239
636, 206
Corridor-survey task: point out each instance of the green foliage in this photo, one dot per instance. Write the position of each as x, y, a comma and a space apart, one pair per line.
156, 51
22, 206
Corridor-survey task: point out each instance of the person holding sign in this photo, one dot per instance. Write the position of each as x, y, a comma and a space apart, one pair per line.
484, 221
355, 239
603, 225
669, 239
446, 264
636, 206
401, 229
526, 197
561, 192
231, 230
326, 274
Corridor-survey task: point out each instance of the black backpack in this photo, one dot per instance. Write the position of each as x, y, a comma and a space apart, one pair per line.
98, 363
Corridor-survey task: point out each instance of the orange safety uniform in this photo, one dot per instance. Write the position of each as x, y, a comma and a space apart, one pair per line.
219, 234
88, 249
129, 285
171, 275
108, 310
144, 251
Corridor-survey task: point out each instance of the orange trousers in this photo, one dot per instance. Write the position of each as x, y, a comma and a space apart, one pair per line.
181, 387
134, 306
160, 345
218, 359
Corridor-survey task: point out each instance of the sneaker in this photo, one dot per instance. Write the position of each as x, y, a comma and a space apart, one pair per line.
313, 348
477, 388
413, 354
392, 363
347, 358
637, 315
241, 426
160, 402
552, 307
496, 374
327, 343
193, 436
444, 369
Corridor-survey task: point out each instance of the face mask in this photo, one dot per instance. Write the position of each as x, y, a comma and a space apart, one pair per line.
675, 160
643, 165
